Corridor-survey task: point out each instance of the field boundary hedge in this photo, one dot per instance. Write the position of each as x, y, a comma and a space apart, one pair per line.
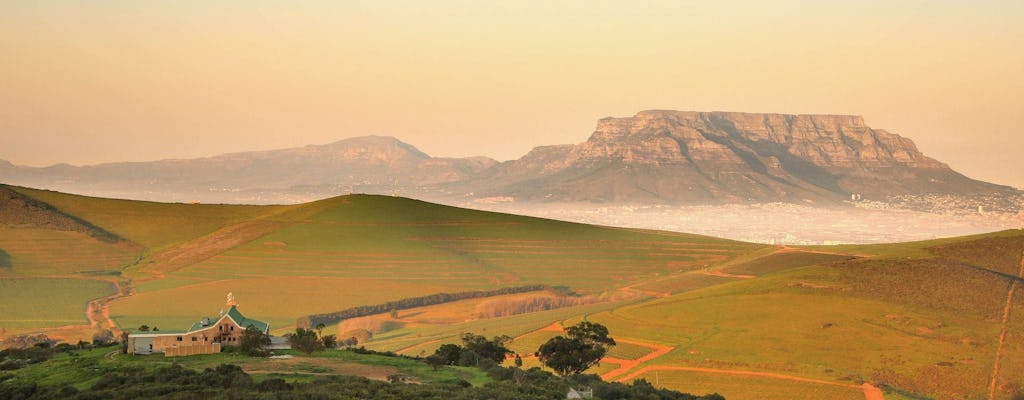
313, 320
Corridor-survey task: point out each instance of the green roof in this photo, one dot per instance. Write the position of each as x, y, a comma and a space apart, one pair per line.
238, 317
246, 322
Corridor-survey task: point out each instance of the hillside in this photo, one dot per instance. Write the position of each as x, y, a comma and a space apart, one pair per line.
387, 247
940, 319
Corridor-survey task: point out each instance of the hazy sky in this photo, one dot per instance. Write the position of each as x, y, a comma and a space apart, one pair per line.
94, 81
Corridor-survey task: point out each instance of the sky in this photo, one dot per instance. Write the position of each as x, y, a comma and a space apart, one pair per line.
87, 82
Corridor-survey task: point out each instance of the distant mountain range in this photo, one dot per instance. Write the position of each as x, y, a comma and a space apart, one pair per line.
653, 157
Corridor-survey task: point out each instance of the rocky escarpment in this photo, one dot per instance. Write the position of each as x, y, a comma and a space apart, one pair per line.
653, 157
708, 157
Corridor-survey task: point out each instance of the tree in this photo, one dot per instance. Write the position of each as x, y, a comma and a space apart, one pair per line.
144, 328
255, 342
434, 361
590, 332
448, 353
103, 337
329, 341
493, 349
305, 340
584, 347
320, 329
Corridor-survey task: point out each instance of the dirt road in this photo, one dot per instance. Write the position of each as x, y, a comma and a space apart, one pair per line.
1002, 332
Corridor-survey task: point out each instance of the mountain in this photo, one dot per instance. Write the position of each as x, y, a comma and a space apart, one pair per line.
711, 157
369, 164
653, 157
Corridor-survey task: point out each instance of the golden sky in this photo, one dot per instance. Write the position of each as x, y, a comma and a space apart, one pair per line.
96, 81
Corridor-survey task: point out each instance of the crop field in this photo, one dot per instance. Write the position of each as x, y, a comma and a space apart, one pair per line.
45, 252
291, 297
678, 283
429, 338
44, 302
782, 261
749, 387
493, 251
376, 249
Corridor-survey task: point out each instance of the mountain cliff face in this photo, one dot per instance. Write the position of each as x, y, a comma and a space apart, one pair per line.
707, 157
653, 157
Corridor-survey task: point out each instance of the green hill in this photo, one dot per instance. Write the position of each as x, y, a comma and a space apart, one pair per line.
926, 319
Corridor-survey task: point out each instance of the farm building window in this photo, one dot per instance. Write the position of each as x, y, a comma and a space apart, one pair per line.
232, 328
179, 338
220, 328
194, 339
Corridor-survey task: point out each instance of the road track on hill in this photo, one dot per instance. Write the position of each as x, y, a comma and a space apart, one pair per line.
870, 391
1003, 330
626, 365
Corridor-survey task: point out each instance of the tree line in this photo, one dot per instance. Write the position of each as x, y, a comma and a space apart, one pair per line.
406, 303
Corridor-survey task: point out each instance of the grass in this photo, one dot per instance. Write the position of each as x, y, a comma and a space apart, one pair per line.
153, 225
748, 387
45, 302
924, 326
45, 252
783, 261
685, 282
365, 249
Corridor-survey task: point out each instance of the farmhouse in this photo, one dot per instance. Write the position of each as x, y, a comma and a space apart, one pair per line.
204, 337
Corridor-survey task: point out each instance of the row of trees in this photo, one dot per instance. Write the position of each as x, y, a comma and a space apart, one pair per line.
411, 302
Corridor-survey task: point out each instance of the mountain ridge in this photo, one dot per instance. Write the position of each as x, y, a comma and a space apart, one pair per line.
652, 157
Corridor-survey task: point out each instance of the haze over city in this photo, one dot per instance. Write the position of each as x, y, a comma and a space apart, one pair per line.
110, 81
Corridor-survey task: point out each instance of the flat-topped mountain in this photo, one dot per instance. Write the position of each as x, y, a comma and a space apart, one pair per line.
653, 157
709, 157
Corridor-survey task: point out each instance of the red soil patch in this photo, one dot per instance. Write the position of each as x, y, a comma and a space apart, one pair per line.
626, 365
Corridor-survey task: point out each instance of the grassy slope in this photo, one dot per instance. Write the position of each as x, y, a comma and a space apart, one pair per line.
360, 250
150, 224
44, 302
921, 316
928, 324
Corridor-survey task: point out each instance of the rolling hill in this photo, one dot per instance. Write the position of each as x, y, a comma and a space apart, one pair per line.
936, 319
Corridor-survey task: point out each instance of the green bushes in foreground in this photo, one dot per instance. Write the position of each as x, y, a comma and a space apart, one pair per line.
229, 381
